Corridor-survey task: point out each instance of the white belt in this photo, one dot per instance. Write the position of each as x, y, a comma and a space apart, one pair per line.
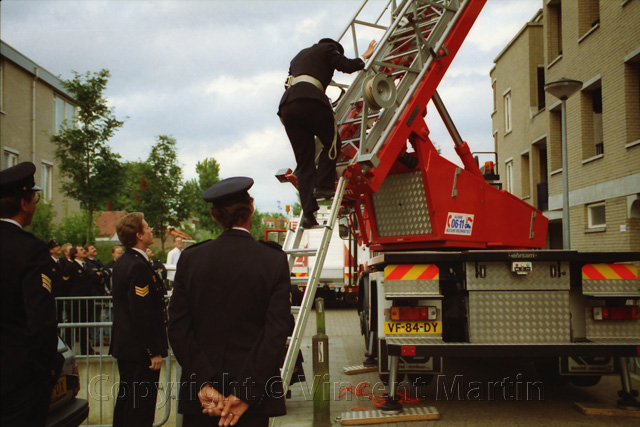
304, 78
333, 151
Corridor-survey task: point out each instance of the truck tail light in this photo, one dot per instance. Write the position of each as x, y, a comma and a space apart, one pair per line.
623, 312
408, 350
414, 313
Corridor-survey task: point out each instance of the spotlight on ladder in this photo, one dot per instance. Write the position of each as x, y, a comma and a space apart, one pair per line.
379, 91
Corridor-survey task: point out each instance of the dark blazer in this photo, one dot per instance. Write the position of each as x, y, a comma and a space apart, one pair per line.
28, 314
319, 61
139, 313
79, 281
229, 321
59, 287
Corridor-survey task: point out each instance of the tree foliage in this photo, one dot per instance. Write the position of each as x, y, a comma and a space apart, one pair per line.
208, 171
160, 190
91, 170
42, 222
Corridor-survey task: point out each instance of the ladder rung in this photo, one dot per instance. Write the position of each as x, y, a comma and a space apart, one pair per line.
299, 280
295, 309
301, 252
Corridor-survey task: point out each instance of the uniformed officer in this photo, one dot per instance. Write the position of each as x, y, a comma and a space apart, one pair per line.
29, 356
229, 318
79, 279
306, 112
59, 287
139, 336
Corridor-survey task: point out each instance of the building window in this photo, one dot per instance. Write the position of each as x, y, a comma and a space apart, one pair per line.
1, 85
495, 104
540, 89
632, 97
63, 112
554, 29
525, 180
596, 215
588, 16
592, 134
10, 158
555, 139
507, 112
508, 176
46, 173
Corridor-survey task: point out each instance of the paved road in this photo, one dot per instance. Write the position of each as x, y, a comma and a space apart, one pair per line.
481, 402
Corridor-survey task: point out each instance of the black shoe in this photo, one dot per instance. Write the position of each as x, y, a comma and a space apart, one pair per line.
324, 193
308, 221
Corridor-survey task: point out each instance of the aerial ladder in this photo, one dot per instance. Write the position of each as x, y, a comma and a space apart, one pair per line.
464, 244
387, 96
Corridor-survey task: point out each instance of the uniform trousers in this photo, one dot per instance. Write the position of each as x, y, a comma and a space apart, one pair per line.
203, 420
304, 119
136, 401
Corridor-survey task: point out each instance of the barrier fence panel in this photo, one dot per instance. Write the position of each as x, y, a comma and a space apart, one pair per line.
85, 324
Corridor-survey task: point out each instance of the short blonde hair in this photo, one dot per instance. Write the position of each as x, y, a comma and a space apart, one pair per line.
128, 226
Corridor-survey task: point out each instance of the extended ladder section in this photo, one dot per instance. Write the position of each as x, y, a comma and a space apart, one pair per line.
394, 88
293, 250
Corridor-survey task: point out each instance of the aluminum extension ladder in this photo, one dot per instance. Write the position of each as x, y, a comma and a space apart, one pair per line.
293, 250
404, 53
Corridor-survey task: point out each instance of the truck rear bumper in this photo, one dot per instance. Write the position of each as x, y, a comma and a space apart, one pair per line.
438, 348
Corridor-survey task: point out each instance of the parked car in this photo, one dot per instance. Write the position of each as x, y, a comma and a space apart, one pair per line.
66, 410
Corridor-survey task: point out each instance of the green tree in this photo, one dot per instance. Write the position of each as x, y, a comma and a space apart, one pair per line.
129, 193
258, 227
42, 222
161, 188
73, 229
208, 171
91, 170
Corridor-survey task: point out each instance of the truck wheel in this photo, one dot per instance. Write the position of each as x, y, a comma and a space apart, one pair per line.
585, 380
549, 374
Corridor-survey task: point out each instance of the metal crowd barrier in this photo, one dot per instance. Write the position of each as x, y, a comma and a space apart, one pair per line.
84, 324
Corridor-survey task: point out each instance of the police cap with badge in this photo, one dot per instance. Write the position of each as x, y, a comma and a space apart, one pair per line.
228, 191
18, 180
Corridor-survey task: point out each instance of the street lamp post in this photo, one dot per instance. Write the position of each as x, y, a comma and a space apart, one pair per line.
563, 89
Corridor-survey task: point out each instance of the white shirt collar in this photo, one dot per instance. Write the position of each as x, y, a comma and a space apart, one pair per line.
241, 228
80, 262
11, 221
144, 254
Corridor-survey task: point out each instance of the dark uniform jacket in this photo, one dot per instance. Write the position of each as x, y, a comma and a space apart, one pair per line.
29, 338
139, 313
59, 287
319, 61
229, 321
80, 282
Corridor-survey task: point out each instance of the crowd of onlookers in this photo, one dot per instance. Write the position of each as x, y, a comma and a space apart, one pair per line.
79, 273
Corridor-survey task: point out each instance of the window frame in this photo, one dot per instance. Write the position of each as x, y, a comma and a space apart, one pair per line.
590, 216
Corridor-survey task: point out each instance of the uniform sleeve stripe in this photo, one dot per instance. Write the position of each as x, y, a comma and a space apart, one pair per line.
142, 291
46, 282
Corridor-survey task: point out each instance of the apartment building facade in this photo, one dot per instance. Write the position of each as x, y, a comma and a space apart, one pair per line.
596, 42
33, 105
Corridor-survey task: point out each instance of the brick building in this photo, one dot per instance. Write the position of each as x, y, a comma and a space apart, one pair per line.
33, 105
598, 43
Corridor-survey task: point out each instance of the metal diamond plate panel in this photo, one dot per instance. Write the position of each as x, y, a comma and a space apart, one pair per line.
499, 277
401, 207
602, 329
604, 287
530, 317
411, 287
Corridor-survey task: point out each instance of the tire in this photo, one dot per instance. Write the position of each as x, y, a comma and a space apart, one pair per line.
585, 380
549, 374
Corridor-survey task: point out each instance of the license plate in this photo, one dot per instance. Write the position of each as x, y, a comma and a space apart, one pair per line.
430, 327
60, 389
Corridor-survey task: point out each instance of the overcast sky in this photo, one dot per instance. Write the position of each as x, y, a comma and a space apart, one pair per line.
210, 73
